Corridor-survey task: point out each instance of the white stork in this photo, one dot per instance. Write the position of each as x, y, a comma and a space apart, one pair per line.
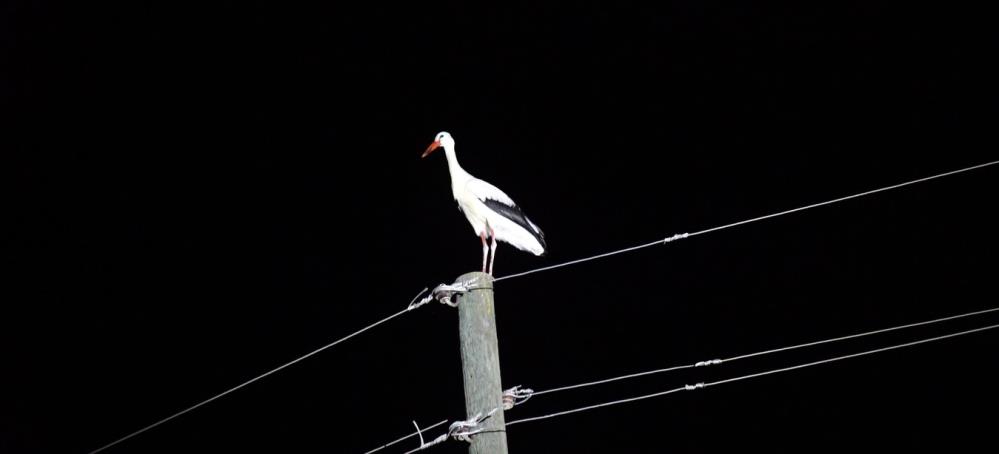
490, 211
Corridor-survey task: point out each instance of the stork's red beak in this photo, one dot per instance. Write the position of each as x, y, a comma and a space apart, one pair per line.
430, 149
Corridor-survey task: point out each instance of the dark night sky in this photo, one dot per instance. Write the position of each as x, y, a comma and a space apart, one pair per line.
201, 193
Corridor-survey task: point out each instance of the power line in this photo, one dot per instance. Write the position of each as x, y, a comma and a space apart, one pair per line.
868, 333
230, 390
746, 377
747, 221
766, 352
608, 380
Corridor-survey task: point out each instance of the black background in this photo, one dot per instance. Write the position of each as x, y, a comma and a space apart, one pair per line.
201, 192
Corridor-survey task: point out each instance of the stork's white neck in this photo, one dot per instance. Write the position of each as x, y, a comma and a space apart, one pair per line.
458, 175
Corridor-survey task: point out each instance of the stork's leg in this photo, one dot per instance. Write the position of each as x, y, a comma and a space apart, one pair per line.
492, 257
485, 250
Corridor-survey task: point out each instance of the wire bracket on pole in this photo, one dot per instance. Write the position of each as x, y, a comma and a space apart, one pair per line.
463, 430
516, 396
459, 430
445, 294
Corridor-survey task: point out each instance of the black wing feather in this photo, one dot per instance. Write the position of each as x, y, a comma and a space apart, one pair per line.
515, 214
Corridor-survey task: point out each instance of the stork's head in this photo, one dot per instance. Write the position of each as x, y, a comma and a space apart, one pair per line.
443, 139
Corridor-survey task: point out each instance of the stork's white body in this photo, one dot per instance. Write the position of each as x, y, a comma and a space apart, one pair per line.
489, 210
471, 192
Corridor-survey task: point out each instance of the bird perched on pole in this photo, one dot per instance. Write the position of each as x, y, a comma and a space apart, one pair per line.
492, 213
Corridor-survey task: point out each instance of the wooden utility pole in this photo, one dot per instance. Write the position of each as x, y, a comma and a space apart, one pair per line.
480, 362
